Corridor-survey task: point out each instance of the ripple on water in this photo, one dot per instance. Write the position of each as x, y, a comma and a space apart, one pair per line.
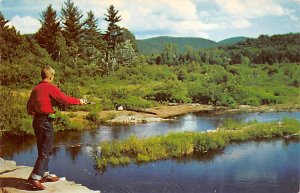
154, 185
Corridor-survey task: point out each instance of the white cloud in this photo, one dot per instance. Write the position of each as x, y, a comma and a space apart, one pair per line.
240, 14
25, 25
181, 18
252, 9
196, 18
242, 23
160, 17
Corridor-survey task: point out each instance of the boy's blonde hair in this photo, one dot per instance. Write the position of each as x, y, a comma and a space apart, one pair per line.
47, 72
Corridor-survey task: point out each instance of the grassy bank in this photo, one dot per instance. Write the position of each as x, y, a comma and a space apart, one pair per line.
15, 121
180, 144
150, 88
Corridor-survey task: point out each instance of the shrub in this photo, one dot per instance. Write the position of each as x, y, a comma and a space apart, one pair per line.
76, 125
226, 100
13, 116
169, 91
134, 102
253, 101
72, 115
93, 117
142, 158
62, 122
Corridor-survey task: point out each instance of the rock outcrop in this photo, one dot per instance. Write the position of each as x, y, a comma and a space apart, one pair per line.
13, 179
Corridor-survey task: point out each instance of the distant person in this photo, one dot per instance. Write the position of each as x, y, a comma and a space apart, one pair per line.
40, 107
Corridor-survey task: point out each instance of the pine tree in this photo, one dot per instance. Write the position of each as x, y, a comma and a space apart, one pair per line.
114, 33
72, 26
92, 35
3, 22
3, 27
93, 42
170, 54
63, 54
12, 44
46, 36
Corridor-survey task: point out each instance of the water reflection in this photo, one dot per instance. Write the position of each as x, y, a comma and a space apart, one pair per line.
244, 167
241, 167
270, 166
73, 152
11, 146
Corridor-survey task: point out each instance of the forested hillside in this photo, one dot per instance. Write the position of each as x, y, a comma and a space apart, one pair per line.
105, 65
264, 49
156, 45
231, 41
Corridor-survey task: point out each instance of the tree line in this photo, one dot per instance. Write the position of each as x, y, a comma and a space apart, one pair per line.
72, 40
76, 45
262, 50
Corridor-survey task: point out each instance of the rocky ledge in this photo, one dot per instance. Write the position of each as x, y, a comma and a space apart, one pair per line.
13, 180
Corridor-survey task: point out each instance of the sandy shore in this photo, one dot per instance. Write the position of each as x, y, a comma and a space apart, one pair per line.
13, 180
156, 114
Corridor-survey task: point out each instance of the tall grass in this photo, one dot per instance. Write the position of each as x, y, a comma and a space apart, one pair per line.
179, 144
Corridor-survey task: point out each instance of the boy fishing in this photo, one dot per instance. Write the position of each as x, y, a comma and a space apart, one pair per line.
40, 107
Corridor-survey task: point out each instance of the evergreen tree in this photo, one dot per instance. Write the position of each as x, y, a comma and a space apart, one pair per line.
63, 54
3, 22
92, 35
12, 44
114, 33
46, 36
72, 26
73, 51
170, 54
93, 42
3, 28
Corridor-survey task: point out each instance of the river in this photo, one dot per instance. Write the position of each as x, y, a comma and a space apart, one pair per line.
256, 166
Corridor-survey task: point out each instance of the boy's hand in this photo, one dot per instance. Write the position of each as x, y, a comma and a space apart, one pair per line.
83, 101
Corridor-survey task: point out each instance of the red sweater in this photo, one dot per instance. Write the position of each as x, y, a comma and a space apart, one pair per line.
41, 95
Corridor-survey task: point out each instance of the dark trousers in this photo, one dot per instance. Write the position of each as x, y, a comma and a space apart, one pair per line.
44, 133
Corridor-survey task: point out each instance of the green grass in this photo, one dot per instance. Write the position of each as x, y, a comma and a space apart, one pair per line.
180, 144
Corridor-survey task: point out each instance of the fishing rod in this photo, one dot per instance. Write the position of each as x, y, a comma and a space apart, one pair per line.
84, 100
88, 102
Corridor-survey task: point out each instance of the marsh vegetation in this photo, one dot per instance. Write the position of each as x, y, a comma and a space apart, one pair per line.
176, 145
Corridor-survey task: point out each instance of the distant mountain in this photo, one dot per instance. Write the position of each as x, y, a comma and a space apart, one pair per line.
156, 44
231, 41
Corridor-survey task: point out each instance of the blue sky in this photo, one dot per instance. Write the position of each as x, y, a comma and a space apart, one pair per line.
211, 19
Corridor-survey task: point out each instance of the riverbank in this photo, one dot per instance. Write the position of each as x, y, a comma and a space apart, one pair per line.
155, 114
13, 180
167, 112
84, 120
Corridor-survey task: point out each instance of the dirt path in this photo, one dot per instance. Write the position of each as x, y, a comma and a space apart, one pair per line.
169, 111
13, 180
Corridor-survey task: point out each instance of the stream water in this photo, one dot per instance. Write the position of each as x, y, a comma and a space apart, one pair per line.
256, 166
